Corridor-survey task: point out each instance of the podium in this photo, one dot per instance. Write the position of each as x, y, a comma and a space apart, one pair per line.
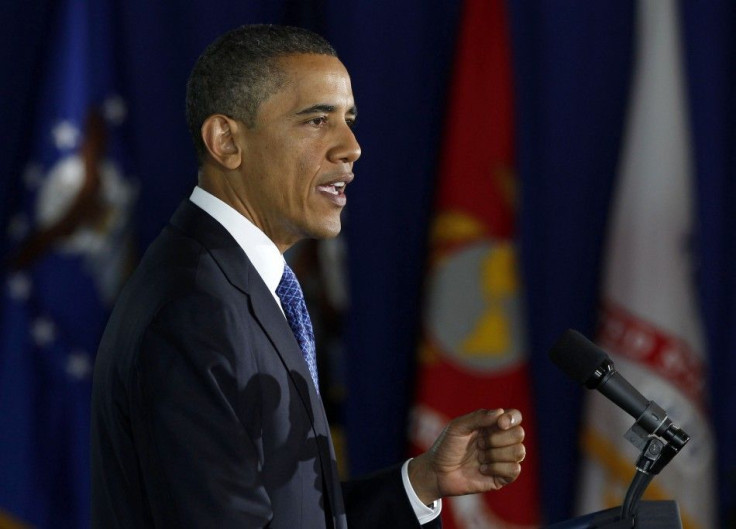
650, 515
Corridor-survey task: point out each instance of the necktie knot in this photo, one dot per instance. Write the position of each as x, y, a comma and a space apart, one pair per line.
295, 310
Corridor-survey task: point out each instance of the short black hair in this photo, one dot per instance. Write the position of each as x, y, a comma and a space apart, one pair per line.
239, 70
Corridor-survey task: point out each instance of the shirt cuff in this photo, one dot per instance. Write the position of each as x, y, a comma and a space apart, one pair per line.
424, 513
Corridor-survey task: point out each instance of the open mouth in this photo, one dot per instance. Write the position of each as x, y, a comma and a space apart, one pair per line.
335, 188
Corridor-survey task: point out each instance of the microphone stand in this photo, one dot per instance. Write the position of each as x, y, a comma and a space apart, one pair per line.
656, 453
657, 449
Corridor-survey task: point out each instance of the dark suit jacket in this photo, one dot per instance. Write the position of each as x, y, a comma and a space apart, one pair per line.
203, 415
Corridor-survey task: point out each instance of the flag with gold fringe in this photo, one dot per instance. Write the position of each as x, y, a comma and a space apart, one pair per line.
650, 321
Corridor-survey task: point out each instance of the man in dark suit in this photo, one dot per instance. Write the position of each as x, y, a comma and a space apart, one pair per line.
206, 406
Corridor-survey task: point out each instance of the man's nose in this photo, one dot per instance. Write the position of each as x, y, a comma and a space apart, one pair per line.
347, 148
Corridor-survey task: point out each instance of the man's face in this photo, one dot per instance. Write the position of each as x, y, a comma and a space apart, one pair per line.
298, 157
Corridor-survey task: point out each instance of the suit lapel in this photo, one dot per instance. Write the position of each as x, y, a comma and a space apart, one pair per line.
276, 327
235, 265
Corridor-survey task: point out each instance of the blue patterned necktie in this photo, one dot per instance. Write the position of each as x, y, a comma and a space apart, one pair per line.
292, 301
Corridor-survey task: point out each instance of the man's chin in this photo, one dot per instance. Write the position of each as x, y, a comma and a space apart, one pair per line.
329, 234
328, 230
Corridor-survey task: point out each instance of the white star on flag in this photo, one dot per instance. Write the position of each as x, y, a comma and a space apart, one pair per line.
66, 135
78, 365
114, 110
43, 331
19, 286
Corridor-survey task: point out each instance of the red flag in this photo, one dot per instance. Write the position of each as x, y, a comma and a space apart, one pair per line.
473, 351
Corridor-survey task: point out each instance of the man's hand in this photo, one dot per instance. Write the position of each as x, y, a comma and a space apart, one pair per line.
477, 452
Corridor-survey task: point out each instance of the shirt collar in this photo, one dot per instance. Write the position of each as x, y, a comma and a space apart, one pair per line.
260, 250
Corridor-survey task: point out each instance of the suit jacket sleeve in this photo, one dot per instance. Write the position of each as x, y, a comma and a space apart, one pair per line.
380, 500
202, 459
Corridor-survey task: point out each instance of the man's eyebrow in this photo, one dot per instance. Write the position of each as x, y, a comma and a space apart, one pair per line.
328, 109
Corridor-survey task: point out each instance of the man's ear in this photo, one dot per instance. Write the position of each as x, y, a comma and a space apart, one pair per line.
219, 134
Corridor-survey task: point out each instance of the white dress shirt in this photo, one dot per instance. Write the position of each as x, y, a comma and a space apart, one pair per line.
260, 250
269, 263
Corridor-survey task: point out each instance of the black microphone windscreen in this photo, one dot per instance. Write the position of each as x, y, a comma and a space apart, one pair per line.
577, 356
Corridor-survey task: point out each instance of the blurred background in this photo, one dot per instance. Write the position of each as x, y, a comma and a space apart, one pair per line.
527, 167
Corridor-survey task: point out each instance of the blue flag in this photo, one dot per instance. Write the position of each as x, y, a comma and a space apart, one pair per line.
69, 251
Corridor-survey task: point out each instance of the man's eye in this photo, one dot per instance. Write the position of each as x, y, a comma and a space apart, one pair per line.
351, 122
321, 120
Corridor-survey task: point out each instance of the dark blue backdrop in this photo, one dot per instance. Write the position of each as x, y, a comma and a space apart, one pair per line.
572, 67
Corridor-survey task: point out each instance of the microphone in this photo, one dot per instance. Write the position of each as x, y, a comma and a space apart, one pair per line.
589, 365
